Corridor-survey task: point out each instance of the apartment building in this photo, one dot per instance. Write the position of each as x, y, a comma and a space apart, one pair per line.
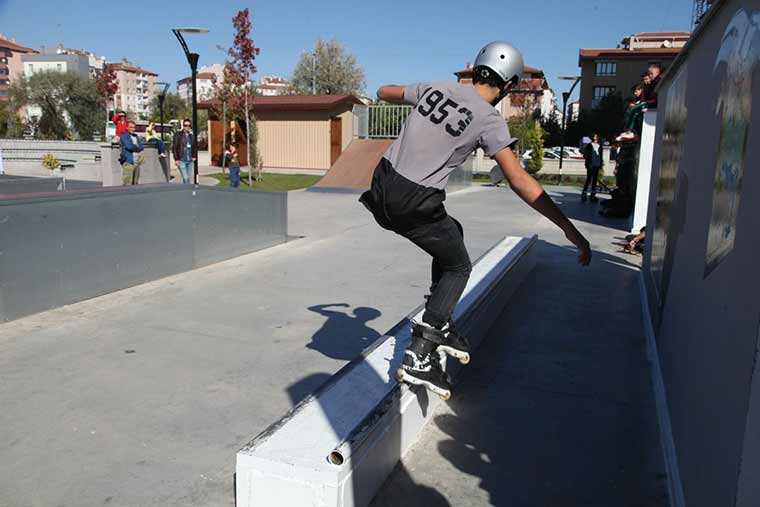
11, 67
137, 87
608, 70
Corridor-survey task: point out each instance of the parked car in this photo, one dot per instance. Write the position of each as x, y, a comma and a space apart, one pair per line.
570, 152
548, 154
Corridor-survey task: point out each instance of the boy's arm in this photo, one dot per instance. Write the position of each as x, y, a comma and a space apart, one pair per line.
530, 191
391, 93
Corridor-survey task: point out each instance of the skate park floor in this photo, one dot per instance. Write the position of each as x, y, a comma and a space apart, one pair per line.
143, 396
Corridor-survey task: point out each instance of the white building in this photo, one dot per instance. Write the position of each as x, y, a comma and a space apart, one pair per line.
137, 87
273, 85
205, 81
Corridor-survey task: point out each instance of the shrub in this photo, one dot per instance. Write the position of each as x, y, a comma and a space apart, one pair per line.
51, 161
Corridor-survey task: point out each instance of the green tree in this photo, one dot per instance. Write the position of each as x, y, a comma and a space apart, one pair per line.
333, 68
69, 103
552, 128
174, 108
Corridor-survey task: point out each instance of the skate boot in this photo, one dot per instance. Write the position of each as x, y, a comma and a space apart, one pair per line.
454, 344
422, 365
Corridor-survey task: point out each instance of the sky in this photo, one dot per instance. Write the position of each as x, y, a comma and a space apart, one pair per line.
395, 42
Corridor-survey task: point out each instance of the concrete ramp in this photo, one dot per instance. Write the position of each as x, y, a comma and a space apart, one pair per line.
336, 447
354, 167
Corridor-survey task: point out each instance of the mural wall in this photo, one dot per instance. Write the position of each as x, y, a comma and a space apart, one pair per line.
736, 65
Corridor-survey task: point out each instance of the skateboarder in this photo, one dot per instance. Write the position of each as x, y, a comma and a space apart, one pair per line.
448, 121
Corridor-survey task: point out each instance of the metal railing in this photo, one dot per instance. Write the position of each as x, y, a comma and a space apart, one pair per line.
379, 121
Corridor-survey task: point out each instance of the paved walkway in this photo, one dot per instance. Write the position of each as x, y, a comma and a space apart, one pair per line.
142, 397
556, 409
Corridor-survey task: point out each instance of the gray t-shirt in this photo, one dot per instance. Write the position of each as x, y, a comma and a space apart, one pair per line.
448, 121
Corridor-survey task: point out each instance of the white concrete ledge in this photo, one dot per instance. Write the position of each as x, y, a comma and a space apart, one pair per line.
337, 446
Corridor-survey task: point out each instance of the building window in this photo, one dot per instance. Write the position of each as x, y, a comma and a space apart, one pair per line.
31, 68
599, 93
58, 67
4, 60
4, 71
606, 68
3, 93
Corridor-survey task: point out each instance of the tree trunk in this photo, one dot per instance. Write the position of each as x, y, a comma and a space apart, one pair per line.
224, 134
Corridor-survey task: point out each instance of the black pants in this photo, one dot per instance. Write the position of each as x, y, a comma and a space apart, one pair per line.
592, 176
417, 213
450, 270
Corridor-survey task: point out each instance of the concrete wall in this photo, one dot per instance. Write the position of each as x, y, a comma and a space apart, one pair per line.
16, 185
56, 250
91, 161
701, 271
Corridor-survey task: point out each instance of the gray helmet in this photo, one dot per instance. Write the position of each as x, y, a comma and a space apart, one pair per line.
502, 58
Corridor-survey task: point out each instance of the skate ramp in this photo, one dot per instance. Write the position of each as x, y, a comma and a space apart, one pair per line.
337, 447
353, 169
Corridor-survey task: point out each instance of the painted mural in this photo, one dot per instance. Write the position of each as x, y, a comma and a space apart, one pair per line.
673, 140
735, 67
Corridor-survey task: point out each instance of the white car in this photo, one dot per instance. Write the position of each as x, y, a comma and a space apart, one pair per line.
570, 152
548, 154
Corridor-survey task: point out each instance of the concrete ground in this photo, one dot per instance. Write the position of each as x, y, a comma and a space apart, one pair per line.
143, 396
556, 409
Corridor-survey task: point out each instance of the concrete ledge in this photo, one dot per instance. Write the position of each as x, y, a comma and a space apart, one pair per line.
63, 247
337, 447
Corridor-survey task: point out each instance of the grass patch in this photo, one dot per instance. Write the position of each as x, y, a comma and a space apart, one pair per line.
271, 181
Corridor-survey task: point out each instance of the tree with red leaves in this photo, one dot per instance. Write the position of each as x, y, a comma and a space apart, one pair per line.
105, 81
243, 53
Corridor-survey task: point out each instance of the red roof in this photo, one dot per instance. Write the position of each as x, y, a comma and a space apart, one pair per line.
129, 68
205, 75
656, 35
293, 102
594, 52
6, 44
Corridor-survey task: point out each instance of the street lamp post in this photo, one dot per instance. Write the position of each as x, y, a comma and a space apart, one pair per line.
565, 97
161, 97
192, 59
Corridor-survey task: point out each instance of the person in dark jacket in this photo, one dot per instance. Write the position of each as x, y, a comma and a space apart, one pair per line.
593, 155
130, 145
185, 150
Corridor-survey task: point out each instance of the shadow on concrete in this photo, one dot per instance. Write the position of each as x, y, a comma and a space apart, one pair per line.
569, 199
556, 408
344, 335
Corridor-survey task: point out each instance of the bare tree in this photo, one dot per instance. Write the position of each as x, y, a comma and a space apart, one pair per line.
329, 69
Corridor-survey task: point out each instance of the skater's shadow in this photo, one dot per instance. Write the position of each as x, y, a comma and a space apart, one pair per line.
344, 335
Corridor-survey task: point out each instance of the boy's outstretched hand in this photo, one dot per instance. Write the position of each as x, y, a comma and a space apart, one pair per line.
584, 249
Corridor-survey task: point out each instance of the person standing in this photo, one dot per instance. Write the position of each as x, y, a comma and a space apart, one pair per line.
592, 154
130, 144
185, 150
233, 162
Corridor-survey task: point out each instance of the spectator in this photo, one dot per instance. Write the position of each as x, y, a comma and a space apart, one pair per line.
634, 115
152, 138
120, 121
185, 150
654, 75
131, 144
233, 162
593, 155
